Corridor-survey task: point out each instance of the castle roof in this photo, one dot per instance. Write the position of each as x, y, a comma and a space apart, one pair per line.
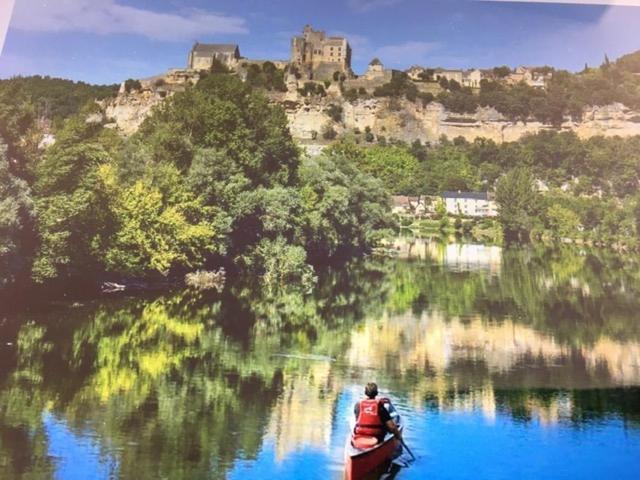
375, 61
213, 48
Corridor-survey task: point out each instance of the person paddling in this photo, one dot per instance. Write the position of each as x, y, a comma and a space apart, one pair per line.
372, 417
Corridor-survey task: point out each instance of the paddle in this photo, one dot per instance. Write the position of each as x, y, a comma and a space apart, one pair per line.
407, 448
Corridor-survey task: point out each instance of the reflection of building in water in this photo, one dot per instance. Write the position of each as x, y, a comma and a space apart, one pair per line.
303, 413
470, 357
411, 247
471, 257
455, 256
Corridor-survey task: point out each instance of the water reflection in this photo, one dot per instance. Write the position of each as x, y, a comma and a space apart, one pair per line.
455, 256
188, 386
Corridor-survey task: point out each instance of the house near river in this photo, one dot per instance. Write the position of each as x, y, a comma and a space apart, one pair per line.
468, 204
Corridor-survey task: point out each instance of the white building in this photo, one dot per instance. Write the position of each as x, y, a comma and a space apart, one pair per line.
472, 78
470, 204
449, 75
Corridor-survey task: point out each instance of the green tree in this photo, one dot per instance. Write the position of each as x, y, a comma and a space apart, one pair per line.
16, 221
344, 210
502, 71
564, 223
398, 170
224, 114
155, 231
518, 203
334, 112
72, 205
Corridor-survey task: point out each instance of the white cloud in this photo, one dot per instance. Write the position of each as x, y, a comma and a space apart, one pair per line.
366, 5
629, 3
407, 53
5, 15
105, 17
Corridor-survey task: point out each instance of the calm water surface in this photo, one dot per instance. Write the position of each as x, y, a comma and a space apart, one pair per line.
506, 363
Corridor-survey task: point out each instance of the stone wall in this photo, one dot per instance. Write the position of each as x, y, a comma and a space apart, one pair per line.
369, 83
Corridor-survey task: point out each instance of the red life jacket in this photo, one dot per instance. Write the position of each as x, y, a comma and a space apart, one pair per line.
368, 422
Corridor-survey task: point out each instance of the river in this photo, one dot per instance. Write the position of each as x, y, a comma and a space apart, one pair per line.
506, 363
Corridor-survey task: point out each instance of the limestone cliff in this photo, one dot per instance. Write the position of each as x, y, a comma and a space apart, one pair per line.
129, 108
391, 118
408, 121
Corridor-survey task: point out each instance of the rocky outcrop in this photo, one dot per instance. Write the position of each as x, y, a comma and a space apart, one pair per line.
409, 121
128, 110
391, 118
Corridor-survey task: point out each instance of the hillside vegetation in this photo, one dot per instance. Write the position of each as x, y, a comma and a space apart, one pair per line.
212, 177
566, 95
590, 186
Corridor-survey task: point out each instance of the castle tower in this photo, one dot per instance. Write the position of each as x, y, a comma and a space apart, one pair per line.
317, 56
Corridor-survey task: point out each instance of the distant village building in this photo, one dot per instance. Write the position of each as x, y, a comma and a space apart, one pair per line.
470, 204
449, 75
202, 55
416, 72
529, 76
417, 206
472, 78
375, 76
318, 56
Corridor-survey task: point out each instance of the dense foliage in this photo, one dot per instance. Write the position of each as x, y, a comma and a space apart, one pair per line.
517, 197
266, 76
52, 98
16, 216
211, 177
401, 86
590, 186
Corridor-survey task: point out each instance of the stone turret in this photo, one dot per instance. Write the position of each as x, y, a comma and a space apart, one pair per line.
317, 56
375, 70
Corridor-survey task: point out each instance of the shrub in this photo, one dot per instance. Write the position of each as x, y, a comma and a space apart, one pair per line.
350, 95
329, 133
132, 85
335, 112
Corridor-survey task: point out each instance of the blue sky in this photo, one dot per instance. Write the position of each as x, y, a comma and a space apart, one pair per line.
104, 41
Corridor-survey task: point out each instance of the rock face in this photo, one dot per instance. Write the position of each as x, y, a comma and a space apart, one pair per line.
390, 118
128, 110
407, 121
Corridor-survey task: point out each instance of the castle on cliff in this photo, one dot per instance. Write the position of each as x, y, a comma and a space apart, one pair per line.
318, 57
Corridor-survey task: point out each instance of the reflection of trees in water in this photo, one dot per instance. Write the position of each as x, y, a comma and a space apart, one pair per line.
550, 319
183, 385
578, 297
23, 443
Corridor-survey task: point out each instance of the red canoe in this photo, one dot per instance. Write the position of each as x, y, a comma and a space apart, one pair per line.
365, 457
